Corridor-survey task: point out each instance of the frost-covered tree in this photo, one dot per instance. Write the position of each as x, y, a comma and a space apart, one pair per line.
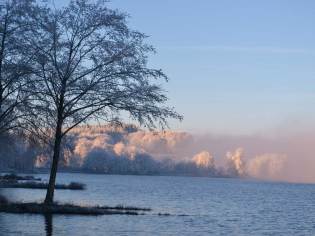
90, 65
14, 61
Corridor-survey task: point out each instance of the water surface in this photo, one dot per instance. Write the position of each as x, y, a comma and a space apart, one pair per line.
198, 206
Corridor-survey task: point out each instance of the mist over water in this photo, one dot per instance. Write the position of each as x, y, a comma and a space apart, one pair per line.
130, 150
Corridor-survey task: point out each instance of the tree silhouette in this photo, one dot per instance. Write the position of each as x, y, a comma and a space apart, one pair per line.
89, 65
14, 61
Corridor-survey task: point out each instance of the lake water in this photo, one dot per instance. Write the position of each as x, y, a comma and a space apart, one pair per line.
198, 206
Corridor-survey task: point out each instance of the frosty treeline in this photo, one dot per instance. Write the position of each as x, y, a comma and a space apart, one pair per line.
127, 149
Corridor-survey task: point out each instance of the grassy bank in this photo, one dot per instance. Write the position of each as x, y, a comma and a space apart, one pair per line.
36, 185
15, 181
69, 209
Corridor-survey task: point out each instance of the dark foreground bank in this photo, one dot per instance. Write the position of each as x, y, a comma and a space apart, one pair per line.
69, 209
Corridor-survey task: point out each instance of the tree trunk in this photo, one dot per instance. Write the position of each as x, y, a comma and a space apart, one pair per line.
54, 167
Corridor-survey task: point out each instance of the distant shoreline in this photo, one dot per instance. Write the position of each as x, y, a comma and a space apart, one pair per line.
73, 171
80, 171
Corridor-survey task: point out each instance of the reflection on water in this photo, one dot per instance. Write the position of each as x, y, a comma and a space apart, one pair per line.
0, 215
47, 220
49, 224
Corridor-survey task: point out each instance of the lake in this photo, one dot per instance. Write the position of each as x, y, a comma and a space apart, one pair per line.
197, 206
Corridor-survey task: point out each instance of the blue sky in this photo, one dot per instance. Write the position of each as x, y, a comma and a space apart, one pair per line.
236, 66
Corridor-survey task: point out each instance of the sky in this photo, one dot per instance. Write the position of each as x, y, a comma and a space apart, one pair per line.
235, 67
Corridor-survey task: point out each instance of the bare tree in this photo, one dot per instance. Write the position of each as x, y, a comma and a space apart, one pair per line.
90, 65
14, 69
